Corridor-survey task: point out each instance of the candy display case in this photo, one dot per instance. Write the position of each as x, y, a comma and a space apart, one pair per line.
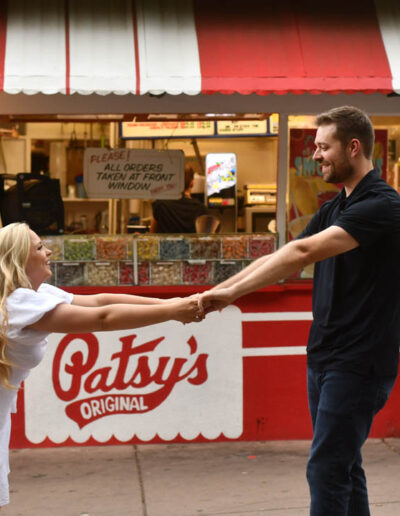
147, 248
111, 248
126, 273
174, 248
224, 269
143, 259
143, 273
197, 272
205, 248
166, 273
70, 274
77, 249
102, 273
260, 245
234, 247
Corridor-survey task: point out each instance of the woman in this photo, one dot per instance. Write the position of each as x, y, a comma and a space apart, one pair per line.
31, 309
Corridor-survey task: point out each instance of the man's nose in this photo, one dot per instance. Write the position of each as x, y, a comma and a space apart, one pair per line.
316, 155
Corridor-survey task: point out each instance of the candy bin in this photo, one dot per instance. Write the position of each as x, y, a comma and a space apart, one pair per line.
70, 274
102, 273
111, 248
205, 248
55, 244
166, 273
196, 272
234, 247
260, 245
143, 273
225, 269
147, 248
126, 276
174, 248
79, 249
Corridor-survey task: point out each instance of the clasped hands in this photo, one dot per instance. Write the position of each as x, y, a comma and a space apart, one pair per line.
209, 301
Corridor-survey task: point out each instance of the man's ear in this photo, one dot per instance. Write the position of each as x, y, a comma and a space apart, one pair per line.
354, 147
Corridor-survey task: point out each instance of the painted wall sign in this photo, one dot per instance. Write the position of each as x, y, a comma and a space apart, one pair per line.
163, 380
237, 373
133, 173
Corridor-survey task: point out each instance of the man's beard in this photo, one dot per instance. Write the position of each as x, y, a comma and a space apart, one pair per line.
338, 173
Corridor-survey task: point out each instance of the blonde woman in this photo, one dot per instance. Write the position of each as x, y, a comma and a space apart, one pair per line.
31, 309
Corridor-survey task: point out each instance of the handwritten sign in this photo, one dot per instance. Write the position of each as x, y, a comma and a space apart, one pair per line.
133, 173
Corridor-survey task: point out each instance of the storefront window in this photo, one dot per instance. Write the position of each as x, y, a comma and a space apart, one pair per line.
306, 189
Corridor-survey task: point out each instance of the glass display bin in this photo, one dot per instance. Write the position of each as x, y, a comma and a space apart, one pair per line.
140, 259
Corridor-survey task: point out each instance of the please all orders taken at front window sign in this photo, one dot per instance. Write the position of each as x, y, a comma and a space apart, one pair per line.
133, 173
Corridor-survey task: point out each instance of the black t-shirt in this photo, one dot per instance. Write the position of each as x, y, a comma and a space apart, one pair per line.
177, 216
356, 295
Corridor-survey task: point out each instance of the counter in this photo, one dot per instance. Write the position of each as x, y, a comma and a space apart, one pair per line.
238, 375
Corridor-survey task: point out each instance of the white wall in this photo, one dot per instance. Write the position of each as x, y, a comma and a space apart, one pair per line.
14, 155
64, 131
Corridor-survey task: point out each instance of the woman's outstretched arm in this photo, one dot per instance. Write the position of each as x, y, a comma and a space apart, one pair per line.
66, 318
106, 298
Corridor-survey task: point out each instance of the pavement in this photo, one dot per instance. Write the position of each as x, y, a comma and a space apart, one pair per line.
210, 479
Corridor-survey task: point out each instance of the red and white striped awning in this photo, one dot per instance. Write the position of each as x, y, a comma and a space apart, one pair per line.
199, 46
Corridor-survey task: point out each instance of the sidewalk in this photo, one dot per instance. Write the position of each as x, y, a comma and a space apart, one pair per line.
212, 479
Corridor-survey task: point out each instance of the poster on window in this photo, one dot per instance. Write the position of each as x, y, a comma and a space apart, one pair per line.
307, 190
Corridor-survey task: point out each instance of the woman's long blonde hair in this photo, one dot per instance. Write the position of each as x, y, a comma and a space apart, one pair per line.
15, 246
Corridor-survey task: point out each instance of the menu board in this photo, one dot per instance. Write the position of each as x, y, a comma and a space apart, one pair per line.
242, 127
199, 128
174, 129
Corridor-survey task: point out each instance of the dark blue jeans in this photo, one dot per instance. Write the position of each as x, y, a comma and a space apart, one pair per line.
342, 407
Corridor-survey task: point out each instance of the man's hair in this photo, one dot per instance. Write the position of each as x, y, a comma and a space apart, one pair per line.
350, 123
189, 175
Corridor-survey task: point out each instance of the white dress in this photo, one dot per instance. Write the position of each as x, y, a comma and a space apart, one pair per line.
25, 349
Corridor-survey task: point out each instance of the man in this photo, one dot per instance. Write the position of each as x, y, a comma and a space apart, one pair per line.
353, 346
178, 216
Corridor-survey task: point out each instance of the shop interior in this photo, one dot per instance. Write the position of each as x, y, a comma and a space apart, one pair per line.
56, 149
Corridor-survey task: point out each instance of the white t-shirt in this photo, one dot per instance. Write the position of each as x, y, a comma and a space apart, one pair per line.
25, 349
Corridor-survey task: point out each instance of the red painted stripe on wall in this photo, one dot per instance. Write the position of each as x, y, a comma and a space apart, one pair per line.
136, 46
275, 399
290, 46
261, 334
281, 298
3, 39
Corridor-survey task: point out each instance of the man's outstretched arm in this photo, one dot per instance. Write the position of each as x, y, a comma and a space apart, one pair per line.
283, 263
